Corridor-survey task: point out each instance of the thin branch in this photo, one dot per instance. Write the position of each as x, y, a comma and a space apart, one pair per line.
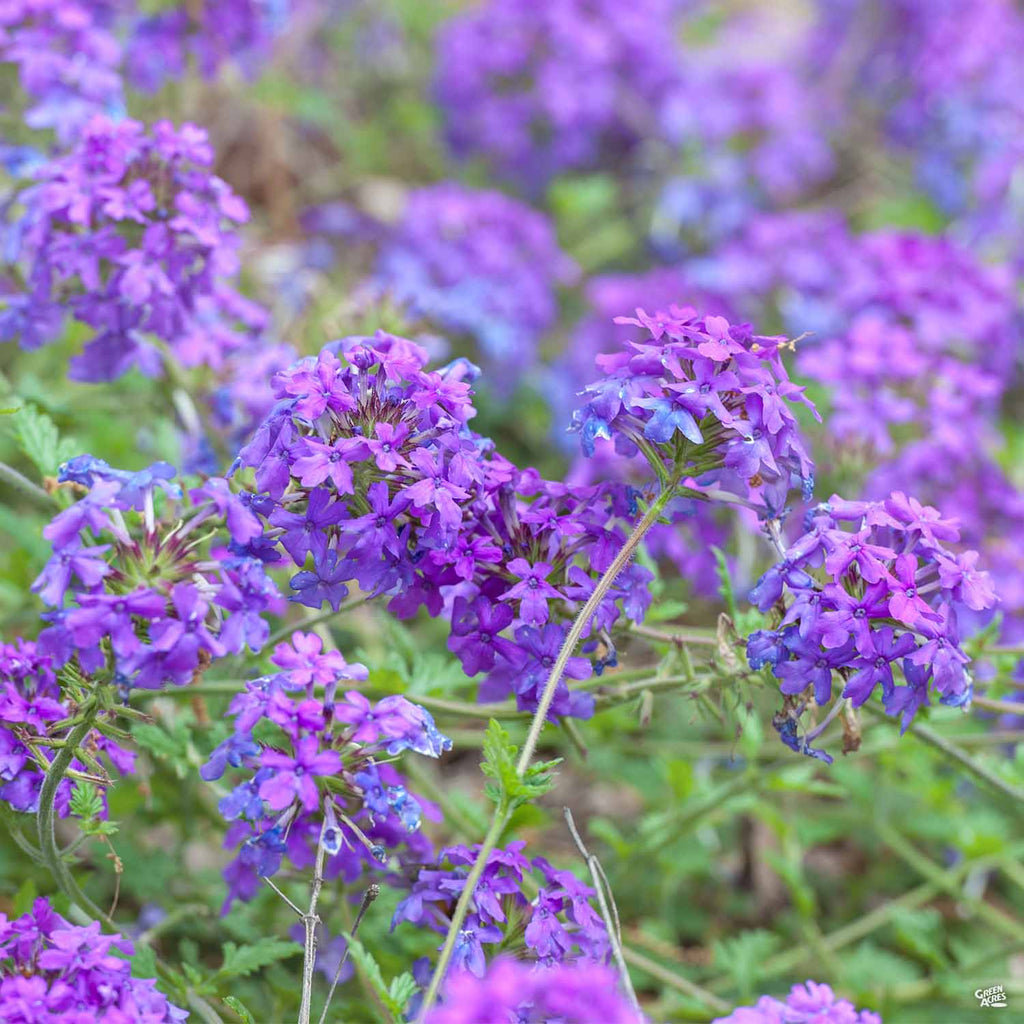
295, 909
368, 897
606, 901
310, 920
314, 620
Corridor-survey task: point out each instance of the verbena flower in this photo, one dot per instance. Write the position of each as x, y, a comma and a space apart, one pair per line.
68, 57
536, 89
367, 471
810, 1003
33, 715
705, 399
156, 600
556, 924
161, 45
314, 761
576, 993
53, 970
477, 263
863, 605
131, 234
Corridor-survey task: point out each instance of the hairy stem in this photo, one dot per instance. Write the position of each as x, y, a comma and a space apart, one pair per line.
498, 823
604, 584
10, 475
46, 818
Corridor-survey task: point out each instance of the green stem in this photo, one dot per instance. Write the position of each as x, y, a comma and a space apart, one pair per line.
27, 487
46, 818
604, 584
501, 811
498, 823
1003, 707
952, 751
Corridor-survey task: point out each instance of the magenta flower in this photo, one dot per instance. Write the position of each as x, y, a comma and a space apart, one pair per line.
533, 591
294, 776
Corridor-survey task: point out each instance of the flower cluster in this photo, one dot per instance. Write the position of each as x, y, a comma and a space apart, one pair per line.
703, 400
67, 58
556, 925
810, 1003
151, 599
317, 770
478, 263
576, 993
34, 717
366, 467
52, 970
132, 233
537, 89
864, 601
942, 81
235, 31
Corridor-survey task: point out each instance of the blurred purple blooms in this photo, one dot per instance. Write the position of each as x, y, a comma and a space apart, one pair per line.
810, 1003
52, 970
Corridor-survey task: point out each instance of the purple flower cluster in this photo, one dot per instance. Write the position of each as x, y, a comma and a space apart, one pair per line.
864, 602
558, 924
133, 235
745, 123
161, 44
316, 763
943, 83
810, 1003
576, 993
32, 716
477, 263
51, 970
537, 89
67, 59
367, 471
706, 401
148, 599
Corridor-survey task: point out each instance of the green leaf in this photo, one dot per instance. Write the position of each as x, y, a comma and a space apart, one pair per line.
393, 996
242, 960
743, 956
40, 440
240, 1008
86, 801
143, 962
499, 764
24, 898
724, 581
401, 990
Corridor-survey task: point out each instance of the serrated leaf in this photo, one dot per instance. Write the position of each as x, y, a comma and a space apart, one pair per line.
24, 898
240, 1008
242, 960
402, 989
725, 581
143, 962
40, 440
86, 801
507, 789
393, 996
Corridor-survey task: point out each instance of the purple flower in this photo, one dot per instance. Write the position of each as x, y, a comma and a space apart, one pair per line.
475, 634
533, 591
811, 666
294, 775
809, 1003
306, 531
